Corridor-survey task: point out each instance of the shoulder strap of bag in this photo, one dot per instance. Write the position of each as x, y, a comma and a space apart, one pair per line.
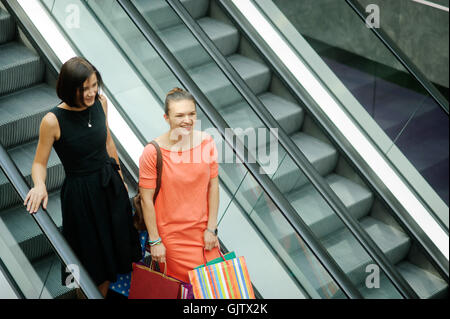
159, 166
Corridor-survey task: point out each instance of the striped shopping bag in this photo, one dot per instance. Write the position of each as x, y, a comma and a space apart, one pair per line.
228, 279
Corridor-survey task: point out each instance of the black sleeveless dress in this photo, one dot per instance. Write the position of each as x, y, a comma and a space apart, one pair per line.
96, 212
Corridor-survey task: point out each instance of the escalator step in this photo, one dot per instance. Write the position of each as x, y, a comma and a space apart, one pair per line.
25, 230
287, 177
19, 67
424, 283
49, 271
288, 115
183, 45
353, 259
350, 256
21, 113
162, 16
217, 87
7, 27
23, 156
315, 212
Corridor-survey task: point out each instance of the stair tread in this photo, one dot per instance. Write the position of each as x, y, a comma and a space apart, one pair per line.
241, 115
8, 27
349, 254
423, 282
158, 13
27, 102
23, 156
14, 53
313, 148
20, 223
317, 209
314, 211
209, 79
49, 270
183, 44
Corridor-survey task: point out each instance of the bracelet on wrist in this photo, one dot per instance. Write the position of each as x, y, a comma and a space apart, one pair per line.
214, 232
154, 242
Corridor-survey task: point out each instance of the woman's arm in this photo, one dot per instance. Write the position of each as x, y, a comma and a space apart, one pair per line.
110, 146
211, 240
158, 252
48, 132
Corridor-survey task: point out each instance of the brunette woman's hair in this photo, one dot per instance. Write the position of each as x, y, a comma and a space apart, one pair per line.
71, 78
177, 94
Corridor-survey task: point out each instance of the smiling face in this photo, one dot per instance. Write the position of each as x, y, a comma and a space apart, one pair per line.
181, 118
86, 96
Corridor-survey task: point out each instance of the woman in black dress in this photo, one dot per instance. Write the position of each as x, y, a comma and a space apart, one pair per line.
96, 212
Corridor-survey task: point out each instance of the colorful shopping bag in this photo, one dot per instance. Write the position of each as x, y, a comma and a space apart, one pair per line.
227, 256
228, 279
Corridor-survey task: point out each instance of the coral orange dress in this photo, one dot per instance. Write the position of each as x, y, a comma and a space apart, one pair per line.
181, 207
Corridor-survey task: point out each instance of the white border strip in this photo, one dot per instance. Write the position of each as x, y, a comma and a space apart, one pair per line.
345, 125
432, 4
50, 32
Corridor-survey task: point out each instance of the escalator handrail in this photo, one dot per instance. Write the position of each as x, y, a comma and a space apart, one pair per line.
425, 244
294, 153
403, 59
47, 226
263, 180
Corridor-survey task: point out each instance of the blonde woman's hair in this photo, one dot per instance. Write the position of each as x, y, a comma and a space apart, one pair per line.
177, 94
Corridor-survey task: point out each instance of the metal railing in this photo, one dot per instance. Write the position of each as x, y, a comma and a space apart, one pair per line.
294, 153
403, 59
424, 244
264, 181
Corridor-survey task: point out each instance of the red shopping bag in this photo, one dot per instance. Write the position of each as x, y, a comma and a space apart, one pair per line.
147, 283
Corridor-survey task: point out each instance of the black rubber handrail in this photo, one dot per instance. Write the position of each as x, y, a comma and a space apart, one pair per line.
263, 180
48, 227
295, 153
402, 58
425, 244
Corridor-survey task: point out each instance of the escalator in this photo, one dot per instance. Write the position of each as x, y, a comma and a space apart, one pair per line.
32, 250
361, 202
26, 95
261, 209
37, 252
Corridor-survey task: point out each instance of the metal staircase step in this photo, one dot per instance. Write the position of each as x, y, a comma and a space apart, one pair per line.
20, 67
183, 45
23, 156
7, 27
21, 113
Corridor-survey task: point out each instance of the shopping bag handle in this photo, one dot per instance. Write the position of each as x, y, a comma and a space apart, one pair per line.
165, 267
220, 252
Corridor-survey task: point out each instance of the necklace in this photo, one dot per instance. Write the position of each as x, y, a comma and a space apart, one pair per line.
89, 122
83, 118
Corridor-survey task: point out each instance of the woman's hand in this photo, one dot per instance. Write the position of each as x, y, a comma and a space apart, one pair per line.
211, 240
35, 197
158, 253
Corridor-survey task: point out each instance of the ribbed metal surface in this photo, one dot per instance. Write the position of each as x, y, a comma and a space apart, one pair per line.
7, 27
20, 131
21, 75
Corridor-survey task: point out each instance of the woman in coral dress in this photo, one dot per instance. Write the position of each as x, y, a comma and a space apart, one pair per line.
183, 221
